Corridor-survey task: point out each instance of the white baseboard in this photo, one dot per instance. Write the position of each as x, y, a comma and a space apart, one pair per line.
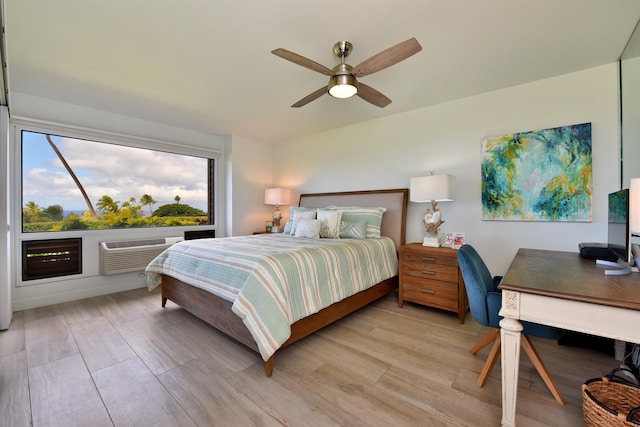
27, 297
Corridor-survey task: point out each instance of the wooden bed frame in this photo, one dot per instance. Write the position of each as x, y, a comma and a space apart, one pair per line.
217, 311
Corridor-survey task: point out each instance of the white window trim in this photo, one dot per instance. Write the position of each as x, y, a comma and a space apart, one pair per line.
18, 125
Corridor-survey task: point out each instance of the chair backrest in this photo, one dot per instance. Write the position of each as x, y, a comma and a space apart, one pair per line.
478, 282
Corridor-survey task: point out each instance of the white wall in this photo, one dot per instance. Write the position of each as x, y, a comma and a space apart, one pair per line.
630, 119
250, 172
6, 287
446, 138
62, 113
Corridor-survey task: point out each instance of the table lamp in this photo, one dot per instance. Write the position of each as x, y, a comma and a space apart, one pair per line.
432, 188
277, 196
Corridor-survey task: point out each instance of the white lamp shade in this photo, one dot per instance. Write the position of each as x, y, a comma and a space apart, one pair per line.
277, 196
634, 206
440, 188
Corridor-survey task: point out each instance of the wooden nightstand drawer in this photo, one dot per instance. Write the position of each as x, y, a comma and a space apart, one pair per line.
431, 257
432, 292
448, 273
431, 276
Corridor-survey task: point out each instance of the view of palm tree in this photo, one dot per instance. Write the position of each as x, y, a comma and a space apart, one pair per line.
73, 176
147, 200
71, 183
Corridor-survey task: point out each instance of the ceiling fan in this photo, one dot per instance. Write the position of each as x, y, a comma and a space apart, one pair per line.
343, 81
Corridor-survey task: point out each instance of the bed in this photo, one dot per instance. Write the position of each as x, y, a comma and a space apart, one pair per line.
218, 310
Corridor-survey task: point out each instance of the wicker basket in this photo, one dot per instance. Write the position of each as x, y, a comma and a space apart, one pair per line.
611, 401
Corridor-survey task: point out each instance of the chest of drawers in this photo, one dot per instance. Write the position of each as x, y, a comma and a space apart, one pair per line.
431, 276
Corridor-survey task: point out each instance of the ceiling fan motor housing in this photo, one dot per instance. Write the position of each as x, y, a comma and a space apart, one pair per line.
342, 49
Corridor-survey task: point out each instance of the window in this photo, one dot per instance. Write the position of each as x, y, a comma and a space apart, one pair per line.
76, 184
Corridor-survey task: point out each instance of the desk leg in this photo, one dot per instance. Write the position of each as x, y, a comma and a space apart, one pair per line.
510, 335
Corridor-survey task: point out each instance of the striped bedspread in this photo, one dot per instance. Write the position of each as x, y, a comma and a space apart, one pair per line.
275, 280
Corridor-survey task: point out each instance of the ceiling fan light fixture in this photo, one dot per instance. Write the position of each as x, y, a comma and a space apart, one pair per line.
343, 86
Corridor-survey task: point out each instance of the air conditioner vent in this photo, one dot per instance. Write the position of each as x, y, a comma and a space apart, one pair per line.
133, 243
131, 255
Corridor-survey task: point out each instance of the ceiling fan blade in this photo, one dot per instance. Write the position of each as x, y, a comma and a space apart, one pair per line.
387, 58
301, 60
311, 97
372, 96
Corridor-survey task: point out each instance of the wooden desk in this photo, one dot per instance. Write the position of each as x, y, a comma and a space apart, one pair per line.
563, 290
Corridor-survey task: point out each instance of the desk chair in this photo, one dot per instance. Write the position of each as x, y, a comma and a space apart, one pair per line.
485, 301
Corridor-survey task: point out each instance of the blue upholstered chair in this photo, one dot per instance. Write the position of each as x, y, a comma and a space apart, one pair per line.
485, 301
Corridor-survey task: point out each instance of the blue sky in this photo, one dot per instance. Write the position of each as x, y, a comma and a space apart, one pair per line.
107, 169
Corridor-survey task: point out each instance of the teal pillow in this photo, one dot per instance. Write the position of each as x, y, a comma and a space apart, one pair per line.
353, 230
373, 217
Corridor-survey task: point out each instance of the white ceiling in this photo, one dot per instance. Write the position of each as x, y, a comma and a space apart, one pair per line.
206, 64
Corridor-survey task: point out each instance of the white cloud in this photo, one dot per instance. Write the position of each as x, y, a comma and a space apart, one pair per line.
119, 172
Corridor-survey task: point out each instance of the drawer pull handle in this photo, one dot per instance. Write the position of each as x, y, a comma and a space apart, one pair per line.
428, 272
427, 291
425, 258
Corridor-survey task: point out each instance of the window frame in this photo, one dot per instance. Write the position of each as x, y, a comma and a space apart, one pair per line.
215, 177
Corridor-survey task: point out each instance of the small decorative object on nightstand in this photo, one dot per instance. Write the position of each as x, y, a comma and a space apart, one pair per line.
431, 276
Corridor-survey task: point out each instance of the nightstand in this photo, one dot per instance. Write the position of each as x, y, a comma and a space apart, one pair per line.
431, 276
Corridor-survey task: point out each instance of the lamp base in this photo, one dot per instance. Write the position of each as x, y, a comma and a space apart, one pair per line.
431, 241
277, 216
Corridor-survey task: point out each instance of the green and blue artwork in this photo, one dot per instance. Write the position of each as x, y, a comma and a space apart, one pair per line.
541, 175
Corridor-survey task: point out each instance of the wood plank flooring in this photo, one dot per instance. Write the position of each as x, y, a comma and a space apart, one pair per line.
122, 360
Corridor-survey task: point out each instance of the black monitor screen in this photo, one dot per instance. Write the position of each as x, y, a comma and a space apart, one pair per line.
618, 233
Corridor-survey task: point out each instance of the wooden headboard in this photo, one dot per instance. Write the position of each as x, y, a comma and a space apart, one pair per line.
394, 219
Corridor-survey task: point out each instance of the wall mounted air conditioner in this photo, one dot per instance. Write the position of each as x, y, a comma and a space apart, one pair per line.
131, 255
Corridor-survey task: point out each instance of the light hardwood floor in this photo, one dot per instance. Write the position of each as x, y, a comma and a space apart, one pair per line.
123, 360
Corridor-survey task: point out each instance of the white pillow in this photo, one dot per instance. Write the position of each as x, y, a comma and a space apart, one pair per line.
329, 223
308, 228
300, 213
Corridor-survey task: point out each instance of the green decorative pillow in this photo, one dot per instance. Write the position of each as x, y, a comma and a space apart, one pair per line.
353, 230
373, 217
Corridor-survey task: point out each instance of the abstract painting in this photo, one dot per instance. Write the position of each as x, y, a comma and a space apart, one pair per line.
541, 175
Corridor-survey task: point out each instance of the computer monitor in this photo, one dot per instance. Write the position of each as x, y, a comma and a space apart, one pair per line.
618, 233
